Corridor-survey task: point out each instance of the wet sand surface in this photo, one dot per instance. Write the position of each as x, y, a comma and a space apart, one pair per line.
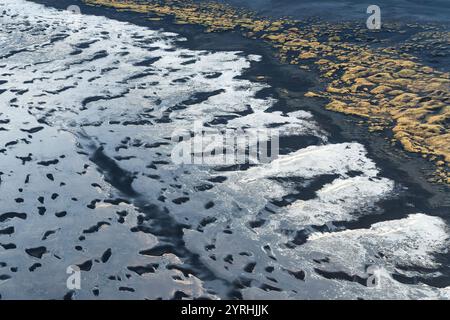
89, 107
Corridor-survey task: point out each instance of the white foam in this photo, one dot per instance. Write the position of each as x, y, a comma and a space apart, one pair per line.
409, 242
339, 201
317, 160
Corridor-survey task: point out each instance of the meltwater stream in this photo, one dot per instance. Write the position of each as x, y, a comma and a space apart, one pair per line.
88, 108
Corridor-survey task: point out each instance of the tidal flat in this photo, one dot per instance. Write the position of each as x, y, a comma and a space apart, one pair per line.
106, 90
387, 86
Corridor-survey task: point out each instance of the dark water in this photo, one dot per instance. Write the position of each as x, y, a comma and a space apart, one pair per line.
412, 10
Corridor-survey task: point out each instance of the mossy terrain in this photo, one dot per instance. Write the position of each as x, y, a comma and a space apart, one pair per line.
387, 86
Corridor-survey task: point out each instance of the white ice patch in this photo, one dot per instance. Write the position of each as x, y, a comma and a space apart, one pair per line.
407, 242
317, 160
339, 201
